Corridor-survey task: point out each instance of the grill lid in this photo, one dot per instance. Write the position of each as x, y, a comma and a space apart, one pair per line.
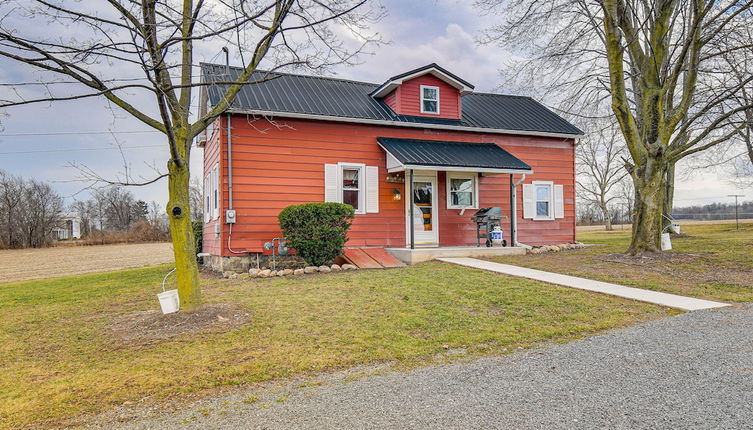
494, 212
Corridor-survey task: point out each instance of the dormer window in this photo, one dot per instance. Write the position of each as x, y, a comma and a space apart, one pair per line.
429, 99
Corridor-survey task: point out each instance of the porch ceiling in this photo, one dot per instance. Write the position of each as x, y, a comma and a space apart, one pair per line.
404, 154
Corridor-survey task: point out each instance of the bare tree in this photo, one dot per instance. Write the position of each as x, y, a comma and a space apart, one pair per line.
157, 217
116, 206
195, 195
86, 212
11, 195
600, 166
40, 212
645, 61
158, 39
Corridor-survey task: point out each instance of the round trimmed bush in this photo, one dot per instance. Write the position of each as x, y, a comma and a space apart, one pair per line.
317, 231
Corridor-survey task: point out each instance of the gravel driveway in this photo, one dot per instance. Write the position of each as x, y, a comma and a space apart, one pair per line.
690, 371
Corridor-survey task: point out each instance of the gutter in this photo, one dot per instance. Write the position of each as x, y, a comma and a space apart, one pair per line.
296, 115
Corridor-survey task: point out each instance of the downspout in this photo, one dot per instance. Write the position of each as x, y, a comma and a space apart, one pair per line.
514, 211
229, 141
229, 163
410, 205
229, 166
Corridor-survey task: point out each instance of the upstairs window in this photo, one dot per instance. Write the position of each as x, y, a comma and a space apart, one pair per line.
429, 99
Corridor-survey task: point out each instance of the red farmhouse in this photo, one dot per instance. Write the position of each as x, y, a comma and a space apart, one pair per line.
291, 139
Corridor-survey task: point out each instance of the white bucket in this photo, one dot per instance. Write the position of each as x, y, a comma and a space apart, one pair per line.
666, 242
674, 228
169, 301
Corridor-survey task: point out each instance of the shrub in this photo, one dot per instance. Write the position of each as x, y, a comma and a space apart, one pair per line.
317, 231
198, 235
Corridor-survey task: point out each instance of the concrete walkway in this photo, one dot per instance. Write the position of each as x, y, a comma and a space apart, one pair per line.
655, 297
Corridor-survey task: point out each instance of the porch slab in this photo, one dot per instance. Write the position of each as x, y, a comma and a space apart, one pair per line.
655, 297
419, 255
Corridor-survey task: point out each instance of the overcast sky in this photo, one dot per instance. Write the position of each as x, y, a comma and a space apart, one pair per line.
41, 140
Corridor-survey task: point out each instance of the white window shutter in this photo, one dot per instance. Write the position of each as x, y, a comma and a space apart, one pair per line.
529, 202
559, 201
330, 183
372, 189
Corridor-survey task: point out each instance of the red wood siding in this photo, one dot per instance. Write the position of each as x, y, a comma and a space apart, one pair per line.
392, 100
276, 166
211, 241
406, 99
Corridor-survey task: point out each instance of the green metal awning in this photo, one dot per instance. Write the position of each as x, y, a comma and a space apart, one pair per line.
406, 154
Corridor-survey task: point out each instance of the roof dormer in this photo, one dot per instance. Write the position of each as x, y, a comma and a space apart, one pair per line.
429, 91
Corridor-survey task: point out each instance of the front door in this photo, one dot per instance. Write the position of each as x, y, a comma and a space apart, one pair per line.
424, 202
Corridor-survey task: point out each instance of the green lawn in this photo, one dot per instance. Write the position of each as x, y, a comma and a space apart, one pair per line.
715, 262
59, 356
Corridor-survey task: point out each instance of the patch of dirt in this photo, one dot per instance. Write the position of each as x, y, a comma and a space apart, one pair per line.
148, 327
650, 258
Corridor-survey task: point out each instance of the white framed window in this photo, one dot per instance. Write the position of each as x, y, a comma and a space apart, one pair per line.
355, 184
207, 198
462, 190
216, 191
351, 185
543, 200
429, 99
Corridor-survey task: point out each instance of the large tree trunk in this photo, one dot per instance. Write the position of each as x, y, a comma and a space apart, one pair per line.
669, 195
650, 192
184, 249
607, 217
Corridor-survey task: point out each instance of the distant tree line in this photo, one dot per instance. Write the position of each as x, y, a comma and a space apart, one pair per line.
113, 214
714, 211
29, 211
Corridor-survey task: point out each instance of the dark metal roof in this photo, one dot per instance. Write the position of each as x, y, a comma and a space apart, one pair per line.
414, 152
283, 93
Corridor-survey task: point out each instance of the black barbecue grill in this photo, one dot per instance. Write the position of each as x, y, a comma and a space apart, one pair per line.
486, 219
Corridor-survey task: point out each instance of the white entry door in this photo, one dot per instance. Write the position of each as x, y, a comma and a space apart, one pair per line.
424, 201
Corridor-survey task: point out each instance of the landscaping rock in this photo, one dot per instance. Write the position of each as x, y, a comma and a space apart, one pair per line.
243, 276
349, 267
287, 272
226, 275
233, 276
335, 268
310, 269
254, 273
324, 269
265, 273
281, 273
298, 272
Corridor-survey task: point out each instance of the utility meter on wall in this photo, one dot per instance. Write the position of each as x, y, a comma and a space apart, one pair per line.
230, 216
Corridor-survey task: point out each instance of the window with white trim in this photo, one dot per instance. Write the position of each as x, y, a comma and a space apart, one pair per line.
462, 191
351, 186
355, 184
543, 200
429, 99
216, 191
207, 199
